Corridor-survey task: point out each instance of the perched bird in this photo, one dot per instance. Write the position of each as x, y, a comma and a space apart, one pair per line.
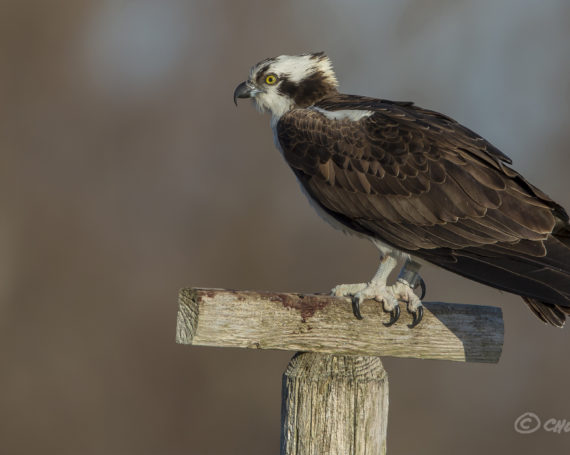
419, 185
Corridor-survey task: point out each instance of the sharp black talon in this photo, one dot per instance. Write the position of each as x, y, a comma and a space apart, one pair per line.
418, 315
422, 284
394, 316
356, 308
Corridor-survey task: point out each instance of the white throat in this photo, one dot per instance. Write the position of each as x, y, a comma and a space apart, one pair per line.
274, 102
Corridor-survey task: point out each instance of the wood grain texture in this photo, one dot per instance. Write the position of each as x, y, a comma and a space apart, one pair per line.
322, 323
334, 405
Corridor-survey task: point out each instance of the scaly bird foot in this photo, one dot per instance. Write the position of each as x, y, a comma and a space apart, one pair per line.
349, 290
389, 296
404, 293
364, 291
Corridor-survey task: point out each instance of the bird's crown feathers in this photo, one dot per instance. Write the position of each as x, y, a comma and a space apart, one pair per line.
297, 68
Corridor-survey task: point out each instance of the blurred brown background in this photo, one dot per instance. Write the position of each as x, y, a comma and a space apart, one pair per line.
127, 173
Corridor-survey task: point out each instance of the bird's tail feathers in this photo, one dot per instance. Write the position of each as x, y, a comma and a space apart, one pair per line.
548, 312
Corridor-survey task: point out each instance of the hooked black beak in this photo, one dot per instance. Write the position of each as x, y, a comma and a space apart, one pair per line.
243, 90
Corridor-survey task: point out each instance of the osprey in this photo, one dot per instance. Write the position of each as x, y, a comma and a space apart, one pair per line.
416, 183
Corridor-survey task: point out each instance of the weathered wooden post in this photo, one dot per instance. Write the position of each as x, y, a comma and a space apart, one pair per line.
335, 390
334, 404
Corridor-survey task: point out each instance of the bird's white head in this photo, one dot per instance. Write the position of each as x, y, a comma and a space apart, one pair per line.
286, 82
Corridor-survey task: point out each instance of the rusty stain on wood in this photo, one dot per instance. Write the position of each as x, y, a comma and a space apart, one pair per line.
306, 304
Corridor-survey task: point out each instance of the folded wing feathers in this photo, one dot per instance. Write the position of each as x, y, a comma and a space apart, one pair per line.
446, 175
421, 182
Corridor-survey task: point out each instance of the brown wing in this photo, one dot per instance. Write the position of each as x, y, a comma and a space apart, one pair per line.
423, 183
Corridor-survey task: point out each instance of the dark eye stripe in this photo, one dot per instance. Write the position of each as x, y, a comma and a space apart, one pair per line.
307, 91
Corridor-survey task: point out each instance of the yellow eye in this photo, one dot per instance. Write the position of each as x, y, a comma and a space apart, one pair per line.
270, 79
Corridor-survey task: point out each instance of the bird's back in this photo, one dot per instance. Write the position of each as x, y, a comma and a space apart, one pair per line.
423, 183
